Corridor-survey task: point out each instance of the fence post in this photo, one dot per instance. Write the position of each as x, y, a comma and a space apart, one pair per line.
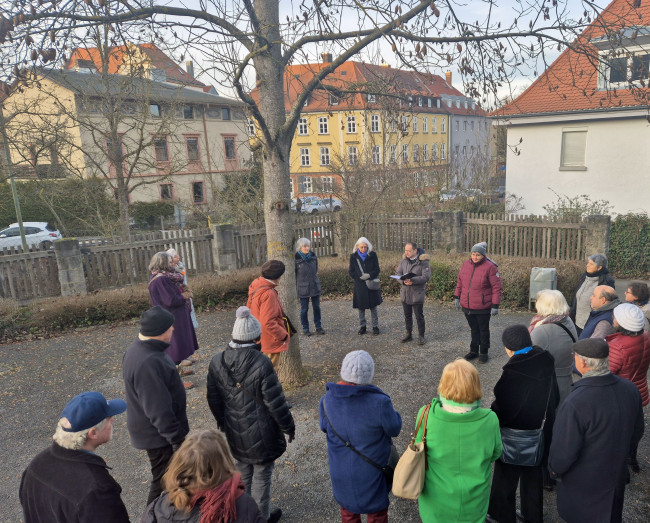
447, 230
223, 248
70, 265
597, 237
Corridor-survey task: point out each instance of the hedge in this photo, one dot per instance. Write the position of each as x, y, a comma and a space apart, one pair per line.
629, 246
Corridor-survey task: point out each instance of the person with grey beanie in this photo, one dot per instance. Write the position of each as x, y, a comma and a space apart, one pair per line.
353, 412
249, 406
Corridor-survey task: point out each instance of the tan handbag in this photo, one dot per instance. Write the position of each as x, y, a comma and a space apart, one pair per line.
408, 479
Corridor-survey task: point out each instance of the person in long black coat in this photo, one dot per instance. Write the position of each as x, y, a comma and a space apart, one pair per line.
364, 266
526, 393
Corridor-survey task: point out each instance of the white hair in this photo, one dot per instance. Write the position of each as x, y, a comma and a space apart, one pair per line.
301, 243
361, 240
551, 302
172, 252
73, 440
595, 364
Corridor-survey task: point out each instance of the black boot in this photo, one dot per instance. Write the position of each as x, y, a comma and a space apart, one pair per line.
483, 356
362, 330
407, 337
421, 340
472, 354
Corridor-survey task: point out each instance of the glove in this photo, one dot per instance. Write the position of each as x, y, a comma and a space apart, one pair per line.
365, 276
494, 311
457, 303
291, 436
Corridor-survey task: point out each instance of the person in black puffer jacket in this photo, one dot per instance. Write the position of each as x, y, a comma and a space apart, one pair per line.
247, 401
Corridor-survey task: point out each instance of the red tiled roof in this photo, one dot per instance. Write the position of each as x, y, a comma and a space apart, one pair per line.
158, 59
571, 82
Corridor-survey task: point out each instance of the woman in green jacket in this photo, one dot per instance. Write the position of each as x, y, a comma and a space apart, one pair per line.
462, 441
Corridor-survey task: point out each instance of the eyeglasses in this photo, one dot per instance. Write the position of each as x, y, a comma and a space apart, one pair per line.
628, 292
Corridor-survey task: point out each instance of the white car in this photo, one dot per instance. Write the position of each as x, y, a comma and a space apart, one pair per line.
314, 204
41, 234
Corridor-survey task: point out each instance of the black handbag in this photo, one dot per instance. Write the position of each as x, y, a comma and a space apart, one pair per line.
524, 447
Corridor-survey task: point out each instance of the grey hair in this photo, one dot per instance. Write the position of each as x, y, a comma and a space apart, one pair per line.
596, 364
361, 240
172, 252
550, 303
599, 259
159, 262
608, 295
302, 242
73, 440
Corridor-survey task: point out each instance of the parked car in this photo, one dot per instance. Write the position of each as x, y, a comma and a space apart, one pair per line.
315, 205
41, 234
305, 200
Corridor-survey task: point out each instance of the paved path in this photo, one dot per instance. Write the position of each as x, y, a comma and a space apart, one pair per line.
39, 377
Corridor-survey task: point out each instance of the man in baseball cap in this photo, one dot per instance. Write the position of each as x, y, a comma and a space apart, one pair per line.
68, 481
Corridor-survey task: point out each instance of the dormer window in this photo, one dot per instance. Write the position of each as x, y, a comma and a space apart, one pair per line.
628, 61
333, 100
641, 67
372, 98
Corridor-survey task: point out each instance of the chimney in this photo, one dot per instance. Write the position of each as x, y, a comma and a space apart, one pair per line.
189, 67
327, 58
448, 77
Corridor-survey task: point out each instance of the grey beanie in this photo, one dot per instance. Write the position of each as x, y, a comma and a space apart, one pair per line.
629, 316
358, 367
246, 327
481, 248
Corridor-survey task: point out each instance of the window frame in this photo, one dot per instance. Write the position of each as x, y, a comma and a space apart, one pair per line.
353, 155
200, 183
303, 131
171, 191
156, 148
374, 123
187, 149
323, 125
564, 164
325, 157
305, 158
351, 124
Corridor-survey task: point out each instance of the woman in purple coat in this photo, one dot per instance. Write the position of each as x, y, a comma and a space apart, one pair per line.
167, 290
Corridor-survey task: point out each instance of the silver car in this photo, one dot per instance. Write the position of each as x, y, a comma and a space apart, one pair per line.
40, 234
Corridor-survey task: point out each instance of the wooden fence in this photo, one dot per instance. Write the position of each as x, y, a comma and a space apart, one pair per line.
390, 233
31, 275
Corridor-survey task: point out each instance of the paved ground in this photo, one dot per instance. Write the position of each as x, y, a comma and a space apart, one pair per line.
39, 377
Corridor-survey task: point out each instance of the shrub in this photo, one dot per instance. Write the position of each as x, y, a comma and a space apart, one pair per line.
629, 246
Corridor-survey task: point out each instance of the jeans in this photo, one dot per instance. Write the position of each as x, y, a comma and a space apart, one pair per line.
159, 459
480, 327
374, 315
304, 309
257, 480
375, 517
419, 316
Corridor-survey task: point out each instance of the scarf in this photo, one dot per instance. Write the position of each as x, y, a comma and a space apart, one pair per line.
542, 320
306, 257
174, 276
363, 255
458, 408
525, 350
218, 504
597, 273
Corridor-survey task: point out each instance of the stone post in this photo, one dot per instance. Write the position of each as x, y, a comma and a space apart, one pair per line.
223, 248
447, 230
597, 237
71, 269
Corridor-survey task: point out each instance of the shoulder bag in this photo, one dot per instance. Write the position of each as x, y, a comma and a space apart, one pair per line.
373, 285
573, 339
411, 467
388, 470
524, 447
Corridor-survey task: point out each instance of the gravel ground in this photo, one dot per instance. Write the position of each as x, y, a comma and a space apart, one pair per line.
39, 377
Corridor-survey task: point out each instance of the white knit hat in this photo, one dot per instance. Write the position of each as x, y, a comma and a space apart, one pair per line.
246, 328
629, 316
358, 367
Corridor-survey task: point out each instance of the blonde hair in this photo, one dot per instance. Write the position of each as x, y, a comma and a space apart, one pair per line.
73, 440
201, 463
460, 382
551, 302
159, 262
361, 240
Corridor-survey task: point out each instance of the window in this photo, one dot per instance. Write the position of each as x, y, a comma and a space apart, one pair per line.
302, 127
307, 186
425, 124
443, 151
618, 70
306, 102
405, 153
166, 191
304, 157
471, 149
324, 155
574, 145
188, 112
456, 151
465, 151
225, 113
393, 124
229, 147
640, 67
251, 127
443, 126
197, 192
155, 110
457, 104
457, 125
372, 98
323, 125
472, 125
192, 146
353, 155
326, 184
160, 149
425, 152
333, 100
416, 153
429, 102
393, 153
434, 125
415, 124
376, 154
419, 101
405, 124
374, 123
352, 124
434, 151
465, 125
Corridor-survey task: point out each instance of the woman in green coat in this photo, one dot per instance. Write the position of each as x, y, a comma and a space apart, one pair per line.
462, 441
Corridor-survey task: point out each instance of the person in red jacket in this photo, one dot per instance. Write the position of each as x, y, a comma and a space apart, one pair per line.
478, 293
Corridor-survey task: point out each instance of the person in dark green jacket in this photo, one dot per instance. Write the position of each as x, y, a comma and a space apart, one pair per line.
462, 441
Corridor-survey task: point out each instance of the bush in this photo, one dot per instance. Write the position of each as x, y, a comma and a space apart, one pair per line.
148, 214
629, 246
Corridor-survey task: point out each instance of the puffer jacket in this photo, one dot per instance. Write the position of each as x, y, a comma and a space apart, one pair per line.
307, 281
478, 286
254, 416
264, 303
629, 358
414, 294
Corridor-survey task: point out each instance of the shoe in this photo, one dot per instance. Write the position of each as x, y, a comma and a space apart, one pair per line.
520, 516
375, 331
406, 338
306, 333
275, 515
185, 371
186, 363
320, 331
482, 358
188, 385
362, 330
471, 355
421, 340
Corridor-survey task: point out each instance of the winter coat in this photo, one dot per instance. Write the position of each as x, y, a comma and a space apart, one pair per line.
165, 293
247, 401
364, 298
307, 281
603, 314
556, 341
264, 303
596, 426
478, 286
365, 417
604, 278
70, 486
161, 510
414, 294
460, 451
155, 394
629, 358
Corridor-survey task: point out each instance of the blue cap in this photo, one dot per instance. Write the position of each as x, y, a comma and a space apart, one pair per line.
89, 408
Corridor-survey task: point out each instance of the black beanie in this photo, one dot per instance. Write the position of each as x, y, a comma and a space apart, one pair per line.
516, 337
156, 321
272, 269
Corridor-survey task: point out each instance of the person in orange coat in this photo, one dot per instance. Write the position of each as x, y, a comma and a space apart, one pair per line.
264, 303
